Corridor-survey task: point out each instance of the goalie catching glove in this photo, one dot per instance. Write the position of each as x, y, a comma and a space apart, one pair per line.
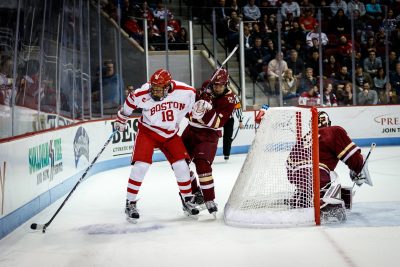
200, 108
120, 122
362, 177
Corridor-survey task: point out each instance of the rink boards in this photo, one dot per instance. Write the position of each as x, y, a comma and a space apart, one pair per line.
36, 170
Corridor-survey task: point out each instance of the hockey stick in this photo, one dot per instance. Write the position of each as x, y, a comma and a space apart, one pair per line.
35, 226
223, 63
373, 145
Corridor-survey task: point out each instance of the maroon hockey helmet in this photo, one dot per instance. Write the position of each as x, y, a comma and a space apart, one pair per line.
220, 77
160, 83
323, 119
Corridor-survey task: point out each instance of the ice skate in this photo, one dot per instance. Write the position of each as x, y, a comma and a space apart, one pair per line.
189, 206
212, 208
132, 214
199, 200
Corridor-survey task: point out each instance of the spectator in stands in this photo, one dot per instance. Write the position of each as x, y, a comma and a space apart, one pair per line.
308, 21
310, 97
221, 16
313, 62
181, 37
366, 34
359, 25
290, 10
271, 50
343, 77
233, 31
295, 63
373, 10
372, 63
160, 13
251, 12
307, 82
393, 60
265, 25
295, 35
289, 85
257, 56
331, 67
28, 92
129, 89
345, 48
345, 97
361, 77
132, 28
395, 82
389, 96
314, 34
6, 80
336, 5
276, 68
306, 5
341, 23
328, 97
380, 81
247, 39
234, 7
368, 96
356, 5
113, 87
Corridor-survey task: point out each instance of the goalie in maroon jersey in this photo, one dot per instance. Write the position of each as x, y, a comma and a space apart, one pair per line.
334, 145
212, 109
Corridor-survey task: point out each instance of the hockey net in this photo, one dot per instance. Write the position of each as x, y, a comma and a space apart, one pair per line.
275, 187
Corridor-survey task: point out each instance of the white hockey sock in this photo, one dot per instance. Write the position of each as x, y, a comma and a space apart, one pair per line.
182, 174
138, 171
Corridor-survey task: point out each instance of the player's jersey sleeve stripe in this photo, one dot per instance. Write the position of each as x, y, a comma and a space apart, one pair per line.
129, 104
344, 151
351, 153
140, 93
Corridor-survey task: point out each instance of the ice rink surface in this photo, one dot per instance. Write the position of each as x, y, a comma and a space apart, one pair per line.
91, 229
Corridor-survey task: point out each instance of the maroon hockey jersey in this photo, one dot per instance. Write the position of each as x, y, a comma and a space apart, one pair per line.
335, 145
215, 118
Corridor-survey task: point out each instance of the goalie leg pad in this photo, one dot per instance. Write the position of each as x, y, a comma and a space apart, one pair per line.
347, 196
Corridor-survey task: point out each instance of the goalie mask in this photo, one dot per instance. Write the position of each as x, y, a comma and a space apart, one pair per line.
220, 81
323, 119
160, 83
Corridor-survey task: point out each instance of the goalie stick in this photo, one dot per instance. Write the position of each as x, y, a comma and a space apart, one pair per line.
373, 145
43, 227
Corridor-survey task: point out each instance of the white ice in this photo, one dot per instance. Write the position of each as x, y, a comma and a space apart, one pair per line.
91, 229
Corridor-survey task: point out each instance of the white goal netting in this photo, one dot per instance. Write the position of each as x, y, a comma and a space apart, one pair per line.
275, 185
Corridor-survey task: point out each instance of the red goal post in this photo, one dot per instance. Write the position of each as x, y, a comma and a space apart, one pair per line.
278, 185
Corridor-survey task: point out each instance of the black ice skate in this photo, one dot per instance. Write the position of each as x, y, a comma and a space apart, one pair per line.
212, 207
189, 206
198, 197
131, 211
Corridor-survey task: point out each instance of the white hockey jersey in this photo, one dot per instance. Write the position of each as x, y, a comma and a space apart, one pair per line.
162, 117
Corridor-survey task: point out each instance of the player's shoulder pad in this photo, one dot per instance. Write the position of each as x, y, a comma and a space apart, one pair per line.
181, 86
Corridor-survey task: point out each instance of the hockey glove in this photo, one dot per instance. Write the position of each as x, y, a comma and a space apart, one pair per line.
200, 108
120, 122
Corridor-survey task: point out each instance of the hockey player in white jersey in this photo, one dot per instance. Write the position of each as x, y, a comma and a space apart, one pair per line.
164, 103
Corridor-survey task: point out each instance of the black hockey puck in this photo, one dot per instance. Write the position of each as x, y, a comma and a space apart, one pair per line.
34, 226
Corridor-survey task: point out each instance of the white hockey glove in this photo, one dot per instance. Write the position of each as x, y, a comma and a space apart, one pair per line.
120, 122
200, 108
362, 177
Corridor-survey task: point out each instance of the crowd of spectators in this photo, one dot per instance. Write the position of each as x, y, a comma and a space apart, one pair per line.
304, 36
133, 14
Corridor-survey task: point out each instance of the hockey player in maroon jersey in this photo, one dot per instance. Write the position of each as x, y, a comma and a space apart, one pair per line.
214, 105
335, 145
164, 103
